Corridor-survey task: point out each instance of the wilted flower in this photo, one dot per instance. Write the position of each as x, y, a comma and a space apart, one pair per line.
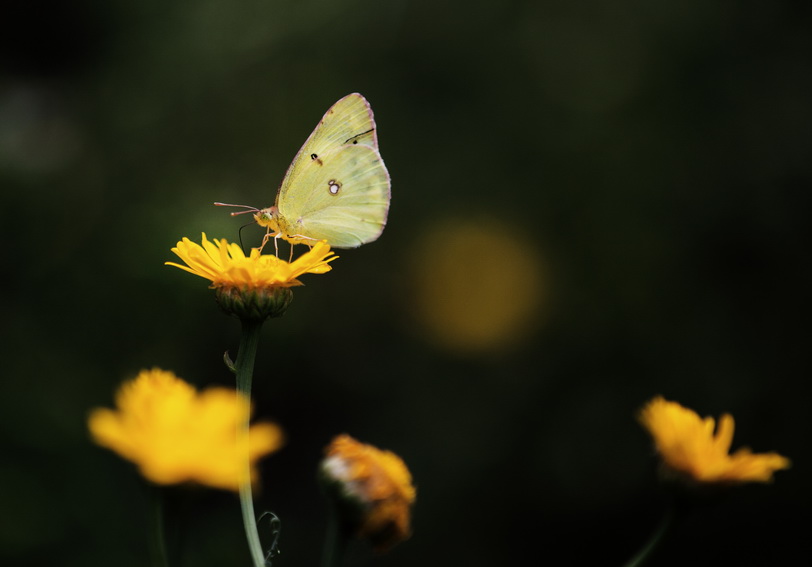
372, 490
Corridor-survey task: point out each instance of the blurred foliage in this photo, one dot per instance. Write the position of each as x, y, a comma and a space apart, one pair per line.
652, 156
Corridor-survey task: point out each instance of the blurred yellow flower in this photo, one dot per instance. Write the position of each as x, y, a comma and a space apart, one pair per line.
226, 265
479, 288
687, 445
374, 487
175, 434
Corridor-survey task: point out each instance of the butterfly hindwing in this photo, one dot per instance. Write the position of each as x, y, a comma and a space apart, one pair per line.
347, 197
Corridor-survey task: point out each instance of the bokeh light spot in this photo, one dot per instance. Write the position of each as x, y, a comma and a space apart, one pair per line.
477, 288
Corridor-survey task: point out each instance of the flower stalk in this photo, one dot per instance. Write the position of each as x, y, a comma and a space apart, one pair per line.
161, 558
336, 538
244, 366
648, 548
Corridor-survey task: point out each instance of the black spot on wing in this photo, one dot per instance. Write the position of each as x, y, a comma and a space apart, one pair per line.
354, 139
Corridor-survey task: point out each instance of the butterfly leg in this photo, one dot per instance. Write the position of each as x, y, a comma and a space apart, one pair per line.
265, 240
267, 237
306, 239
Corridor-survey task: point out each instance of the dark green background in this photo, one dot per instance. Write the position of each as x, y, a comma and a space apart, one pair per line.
656, 152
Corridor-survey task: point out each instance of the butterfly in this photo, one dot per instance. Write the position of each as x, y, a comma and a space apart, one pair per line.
337, 188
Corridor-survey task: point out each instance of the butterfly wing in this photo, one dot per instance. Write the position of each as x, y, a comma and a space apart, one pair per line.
348, 121
337, 187
344, 199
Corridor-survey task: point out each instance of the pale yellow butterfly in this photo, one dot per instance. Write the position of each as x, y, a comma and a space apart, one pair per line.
337, 188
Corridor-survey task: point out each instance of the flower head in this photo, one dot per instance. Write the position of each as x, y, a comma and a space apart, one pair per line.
689, 447
372, 489
176, 434
256, 286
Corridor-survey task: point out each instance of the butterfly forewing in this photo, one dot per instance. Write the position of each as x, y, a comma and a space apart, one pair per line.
349, 121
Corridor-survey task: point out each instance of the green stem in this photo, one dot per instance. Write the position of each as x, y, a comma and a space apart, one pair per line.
335, 540
160, 557
249, 341
653, 541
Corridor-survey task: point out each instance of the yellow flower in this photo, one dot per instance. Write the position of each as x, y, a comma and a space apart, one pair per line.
227, 265
253, 287
175, 434
689, 447
373, 490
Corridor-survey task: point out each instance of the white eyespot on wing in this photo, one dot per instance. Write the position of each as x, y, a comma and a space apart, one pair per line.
334, 186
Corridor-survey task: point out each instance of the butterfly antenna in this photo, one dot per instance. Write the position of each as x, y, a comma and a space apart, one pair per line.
248, 208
